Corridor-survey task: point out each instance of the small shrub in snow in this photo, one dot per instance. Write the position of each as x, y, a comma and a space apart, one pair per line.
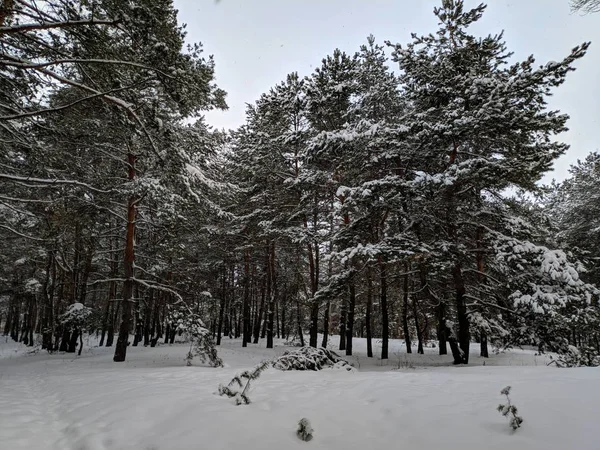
202, 345
509, 410
238, 387
309, 358
575, 357
305, 431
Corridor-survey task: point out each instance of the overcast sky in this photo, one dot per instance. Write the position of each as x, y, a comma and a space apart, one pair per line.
256, 43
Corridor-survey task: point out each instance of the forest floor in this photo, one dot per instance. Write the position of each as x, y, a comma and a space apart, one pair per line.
419, 402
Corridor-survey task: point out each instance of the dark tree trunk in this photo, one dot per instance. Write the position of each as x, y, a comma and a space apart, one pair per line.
405, 328
64, 342
73, 341
246, 337
368, 313
461, 312
222, 307
420, 350
442, 328
326, 324
123, 340
261, 309
299, 320
271, 295
350, 321
343, 316
385, 324
484, 346
148, 318
283, 306
314, 305
80, 343
48, 319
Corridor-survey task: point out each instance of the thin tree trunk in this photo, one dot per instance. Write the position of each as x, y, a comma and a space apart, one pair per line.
461, 312
385, 324
246, 305
261, 309
272, 287
405, 328
350, 321
368, 313
222, 307
343, 315
326, 324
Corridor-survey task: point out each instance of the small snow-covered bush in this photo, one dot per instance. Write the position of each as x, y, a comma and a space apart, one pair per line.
76, 316
309, 358
578, 357
509, 410
240, 384
305, 431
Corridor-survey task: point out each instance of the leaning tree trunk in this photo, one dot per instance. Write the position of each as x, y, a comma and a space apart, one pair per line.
123, 339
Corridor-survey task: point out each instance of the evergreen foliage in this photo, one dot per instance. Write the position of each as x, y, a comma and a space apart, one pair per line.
305, 430
238, 387
509, 410
309, 358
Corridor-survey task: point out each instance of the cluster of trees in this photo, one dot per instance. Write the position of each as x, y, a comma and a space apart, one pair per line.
357, 201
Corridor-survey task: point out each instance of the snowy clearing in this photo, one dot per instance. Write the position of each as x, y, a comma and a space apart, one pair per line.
153, 402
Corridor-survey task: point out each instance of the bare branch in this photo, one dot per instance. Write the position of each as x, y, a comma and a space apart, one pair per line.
20, 28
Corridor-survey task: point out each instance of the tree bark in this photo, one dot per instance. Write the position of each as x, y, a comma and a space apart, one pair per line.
350, 321
461, 312
369, 312
272, 294
405, 328
123, 339
246, 336
385, 324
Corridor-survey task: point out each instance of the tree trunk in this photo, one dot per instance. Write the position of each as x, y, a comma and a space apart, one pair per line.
405, 328
461, 312
343, 315
299, 320
123, 339
222, 307
442, 329
314, 304
246, 337
271, 295
484, 346
261, 309
326, 324
369, 312
350, 321
385, 324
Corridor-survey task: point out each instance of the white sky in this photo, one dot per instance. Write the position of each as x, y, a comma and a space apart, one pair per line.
256, 43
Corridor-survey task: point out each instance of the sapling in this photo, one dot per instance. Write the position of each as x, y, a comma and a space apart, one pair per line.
509, 410
239, 386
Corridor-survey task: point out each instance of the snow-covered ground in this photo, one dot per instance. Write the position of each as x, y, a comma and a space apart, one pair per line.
418, 402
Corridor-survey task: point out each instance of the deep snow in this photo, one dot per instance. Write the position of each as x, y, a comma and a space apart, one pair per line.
154, 402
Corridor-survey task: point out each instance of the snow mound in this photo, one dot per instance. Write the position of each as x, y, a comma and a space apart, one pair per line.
310, 358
